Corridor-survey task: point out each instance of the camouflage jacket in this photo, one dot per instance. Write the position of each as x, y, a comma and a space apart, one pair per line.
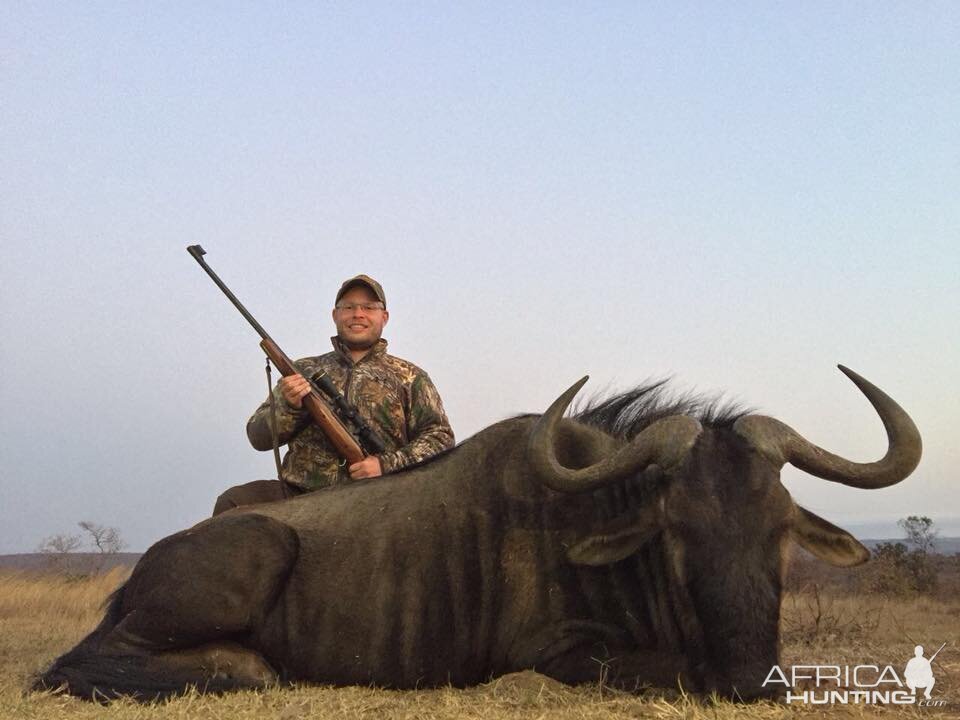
395, 397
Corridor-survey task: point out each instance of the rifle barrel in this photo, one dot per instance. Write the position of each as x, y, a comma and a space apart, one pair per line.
198, 252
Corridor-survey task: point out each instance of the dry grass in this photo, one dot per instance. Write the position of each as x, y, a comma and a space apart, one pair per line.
42, 616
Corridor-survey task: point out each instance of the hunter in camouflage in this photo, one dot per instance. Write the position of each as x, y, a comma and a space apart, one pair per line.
395, 398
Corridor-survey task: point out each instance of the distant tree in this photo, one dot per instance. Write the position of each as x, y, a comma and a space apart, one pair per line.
106, 540
56, 548
59, 544
920, 533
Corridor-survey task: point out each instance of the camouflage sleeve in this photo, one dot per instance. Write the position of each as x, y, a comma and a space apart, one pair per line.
290, 421
427, 427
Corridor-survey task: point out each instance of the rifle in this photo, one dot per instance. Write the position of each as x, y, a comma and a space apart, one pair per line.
322, 415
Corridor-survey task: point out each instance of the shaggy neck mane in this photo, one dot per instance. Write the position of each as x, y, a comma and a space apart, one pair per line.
627, 414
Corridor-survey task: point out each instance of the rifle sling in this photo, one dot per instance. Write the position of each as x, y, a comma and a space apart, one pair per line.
273, 429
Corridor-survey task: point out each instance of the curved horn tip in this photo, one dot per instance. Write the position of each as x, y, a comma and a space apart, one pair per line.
855, 377
571, 391
560, 404
860, 381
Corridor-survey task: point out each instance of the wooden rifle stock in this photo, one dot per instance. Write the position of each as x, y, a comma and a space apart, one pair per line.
322, 415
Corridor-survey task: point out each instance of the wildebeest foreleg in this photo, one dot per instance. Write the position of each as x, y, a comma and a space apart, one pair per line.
185, 615
218, 662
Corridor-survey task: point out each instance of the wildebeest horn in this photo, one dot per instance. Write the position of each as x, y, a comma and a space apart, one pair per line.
664, 442
781, 444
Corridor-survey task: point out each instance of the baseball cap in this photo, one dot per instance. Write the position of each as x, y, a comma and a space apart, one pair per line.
366, 280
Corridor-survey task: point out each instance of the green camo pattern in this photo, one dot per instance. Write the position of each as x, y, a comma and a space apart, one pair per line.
395, 397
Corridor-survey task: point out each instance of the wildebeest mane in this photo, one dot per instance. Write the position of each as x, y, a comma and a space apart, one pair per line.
627, 414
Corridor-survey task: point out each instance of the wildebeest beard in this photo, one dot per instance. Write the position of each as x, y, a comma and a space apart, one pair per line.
638, 545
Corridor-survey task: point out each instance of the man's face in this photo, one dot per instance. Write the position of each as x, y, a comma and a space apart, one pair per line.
358, 328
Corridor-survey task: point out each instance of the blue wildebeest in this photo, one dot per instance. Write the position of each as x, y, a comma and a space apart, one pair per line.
644, 539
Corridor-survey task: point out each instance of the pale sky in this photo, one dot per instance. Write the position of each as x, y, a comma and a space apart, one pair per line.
737, 195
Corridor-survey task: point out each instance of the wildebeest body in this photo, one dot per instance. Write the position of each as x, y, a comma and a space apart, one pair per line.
441, 574
649, 555
380, 587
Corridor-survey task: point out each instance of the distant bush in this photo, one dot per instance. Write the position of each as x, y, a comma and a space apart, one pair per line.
899, 570
903, 568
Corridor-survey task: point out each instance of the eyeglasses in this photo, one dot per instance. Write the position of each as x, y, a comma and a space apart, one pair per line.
366, 307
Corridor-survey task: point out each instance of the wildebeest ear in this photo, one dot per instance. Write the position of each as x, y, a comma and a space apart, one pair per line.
825, 540
617, 540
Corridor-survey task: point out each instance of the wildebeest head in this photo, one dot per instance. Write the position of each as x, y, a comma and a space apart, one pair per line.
719, 522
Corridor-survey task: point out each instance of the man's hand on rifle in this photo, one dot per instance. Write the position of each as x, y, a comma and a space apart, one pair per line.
367, 468
294, 389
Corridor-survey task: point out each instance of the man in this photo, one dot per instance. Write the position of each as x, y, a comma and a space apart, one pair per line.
395, 397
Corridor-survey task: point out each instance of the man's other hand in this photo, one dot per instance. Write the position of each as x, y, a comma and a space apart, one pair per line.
294, 389
367, 468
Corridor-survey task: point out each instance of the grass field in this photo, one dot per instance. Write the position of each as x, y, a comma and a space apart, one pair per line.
41, 616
